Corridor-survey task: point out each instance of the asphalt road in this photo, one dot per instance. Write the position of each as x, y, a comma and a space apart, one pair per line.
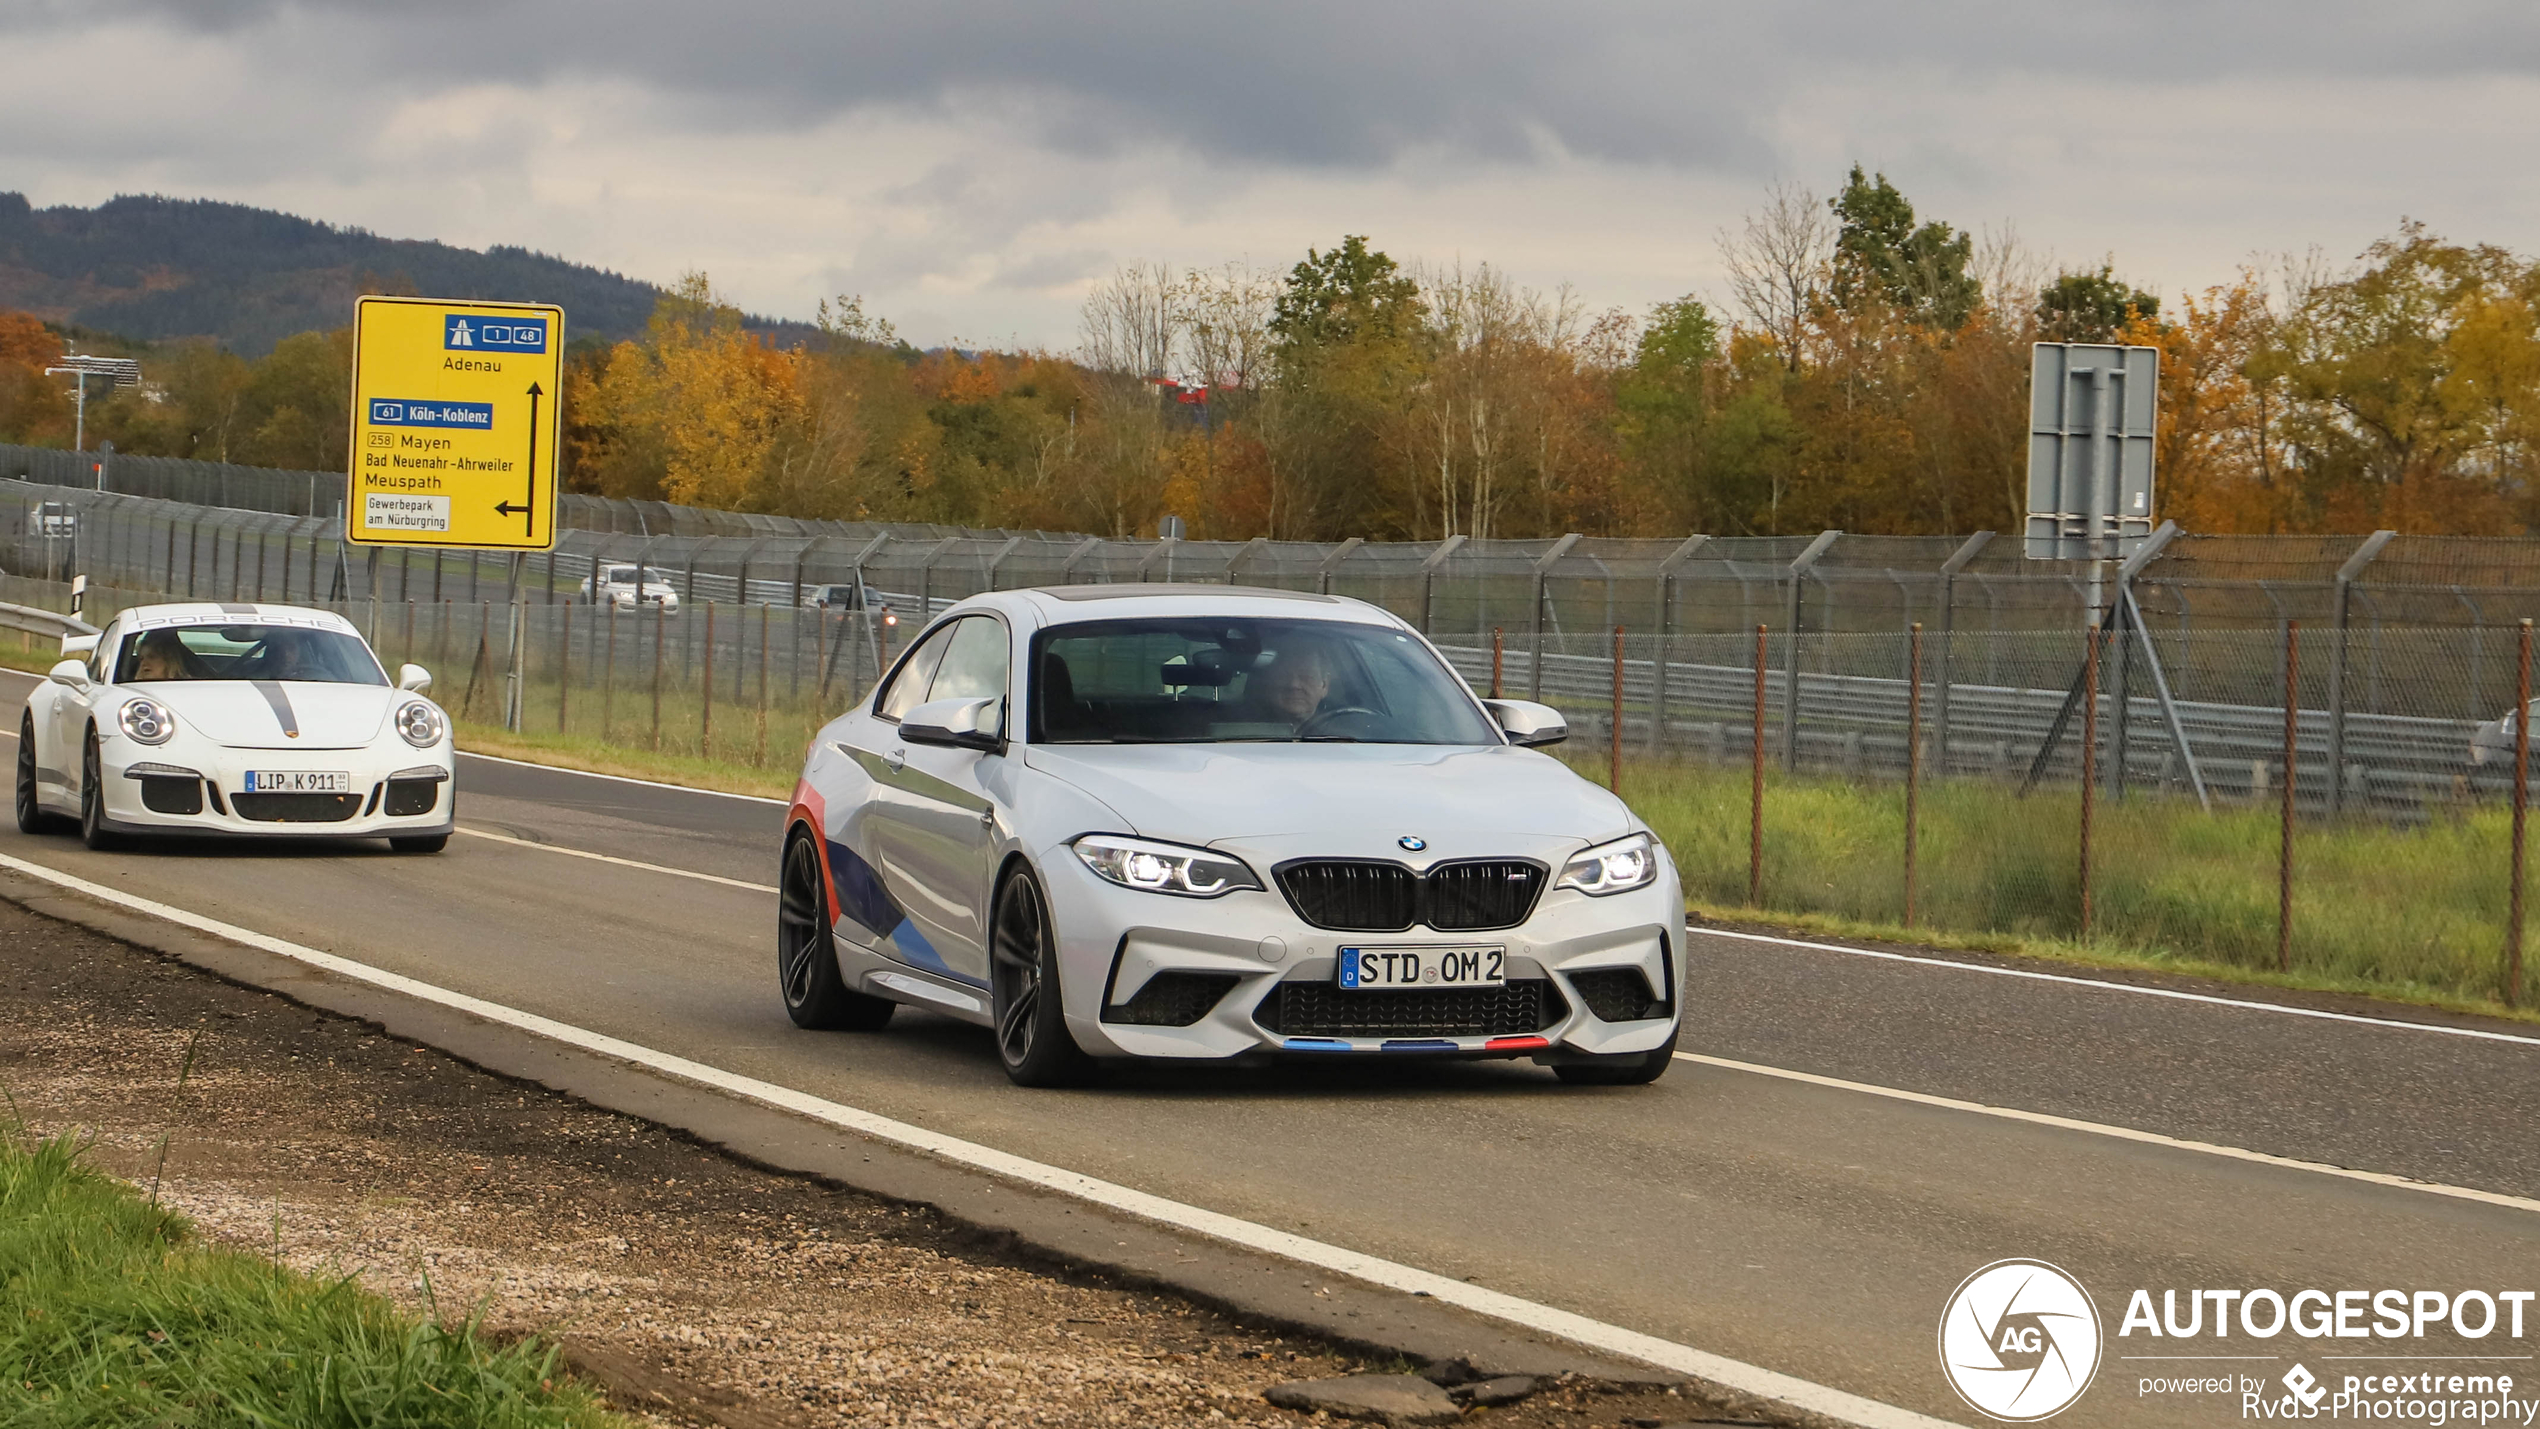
1810, 1229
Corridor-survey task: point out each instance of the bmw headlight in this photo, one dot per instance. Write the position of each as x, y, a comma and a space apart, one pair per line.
146, 721
1617, 867
1164, 868
420, 723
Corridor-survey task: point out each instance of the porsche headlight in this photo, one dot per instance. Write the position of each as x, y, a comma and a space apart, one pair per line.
1617, 867
420, 723
146, 721
1164, 868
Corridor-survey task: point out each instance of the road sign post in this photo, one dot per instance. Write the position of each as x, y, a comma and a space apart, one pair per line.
455, 423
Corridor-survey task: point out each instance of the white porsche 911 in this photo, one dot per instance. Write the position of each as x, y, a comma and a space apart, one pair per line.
234, 719
1154, 821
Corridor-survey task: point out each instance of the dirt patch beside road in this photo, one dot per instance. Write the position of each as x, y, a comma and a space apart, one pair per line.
696, 1287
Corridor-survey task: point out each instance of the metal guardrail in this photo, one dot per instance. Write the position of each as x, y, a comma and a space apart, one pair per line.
35, 620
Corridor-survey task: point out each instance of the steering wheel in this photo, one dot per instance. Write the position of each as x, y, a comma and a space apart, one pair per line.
1313, 724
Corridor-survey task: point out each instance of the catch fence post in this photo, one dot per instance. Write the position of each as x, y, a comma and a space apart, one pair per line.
705, 693
1614, 741
608, 680
2522, 800
659, 642
1498, 652
1799, 570
1755, 815
564, 666
760, 757
2292, 768
2344, 590
1666, 628
1913, 753
2089, 757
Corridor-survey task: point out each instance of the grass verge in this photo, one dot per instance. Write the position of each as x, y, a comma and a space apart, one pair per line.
589, 752
112, 1312
2413, 915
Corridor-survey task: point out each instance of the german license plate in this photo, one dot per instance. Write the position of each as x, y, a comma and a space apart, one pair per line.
299, 781
1363, 968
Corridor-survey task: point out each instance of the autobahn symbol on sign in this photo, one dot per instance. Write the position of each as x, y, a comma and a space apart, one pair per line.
455, 423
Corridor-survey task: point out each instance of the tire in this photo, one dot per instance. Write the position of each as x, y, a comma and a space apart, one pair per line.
32, 817
807, 952
92, 799
418, 843
1023, 990
1628, 1069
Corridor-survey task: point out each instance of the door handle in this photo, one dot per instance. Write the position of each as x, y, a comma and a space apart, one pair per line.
897, 759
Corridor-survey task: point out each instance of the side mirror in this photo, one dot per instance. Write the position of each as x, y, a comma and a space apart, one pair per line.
959, 724
1528, 724
73, 673
413, 679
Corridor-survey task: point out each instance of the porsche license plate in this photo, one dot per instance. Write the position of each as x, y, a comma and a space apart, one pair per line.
298, 781
1364, 968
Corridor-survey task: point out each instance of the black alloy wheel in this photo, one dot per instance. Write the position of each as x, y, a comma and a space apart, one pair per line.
807, 952
92, 798
1023, 994
1623, 1069
32, 818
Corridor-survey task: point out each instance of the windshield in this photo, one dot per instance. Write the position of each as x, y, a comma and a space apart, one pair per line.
1212, 681
625, 575
247, 652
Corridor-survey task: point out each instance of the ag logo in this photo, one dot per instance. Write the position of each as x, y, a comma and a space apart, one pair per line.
2019, 1340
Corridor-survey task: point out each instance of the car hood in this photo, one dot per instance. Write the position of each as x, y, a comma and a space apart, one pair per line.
259, 714
1205, 794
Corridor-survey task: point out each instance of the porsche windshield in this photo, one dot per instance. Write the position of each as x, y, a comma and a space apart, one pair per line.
246, 652
1206, 681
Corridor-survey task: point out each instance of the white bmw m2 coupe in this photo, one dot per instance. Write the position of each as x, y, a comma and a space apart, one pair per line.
1203, 822
204, 719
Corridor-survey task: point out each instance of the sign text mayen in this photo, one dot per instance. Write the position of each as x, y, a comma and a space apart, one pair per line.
455, 423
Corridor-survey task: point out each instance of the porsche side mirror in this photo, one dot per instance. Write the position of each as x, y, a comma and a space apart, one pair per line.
1528, 724
957, 724
413, 679
73, 673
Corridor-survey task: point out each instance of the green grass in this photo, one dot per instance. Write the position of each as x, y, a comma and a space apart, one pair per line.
2416, 914
113, 1313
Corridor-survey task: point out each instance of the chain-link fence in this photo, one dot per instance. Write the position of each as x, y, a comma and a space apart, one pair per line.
2403, 652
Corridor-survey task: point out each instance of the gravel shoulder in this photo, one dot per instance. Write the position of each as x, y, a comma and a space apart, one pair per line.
692, 1286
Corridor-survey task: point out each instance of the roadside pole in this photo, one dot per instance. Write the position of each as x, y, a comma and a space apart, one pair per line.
705, 693
2089, 757
1913, 753
1498, 654
1755, 814
2292, 764
2522, 802
1614, 744
516, 630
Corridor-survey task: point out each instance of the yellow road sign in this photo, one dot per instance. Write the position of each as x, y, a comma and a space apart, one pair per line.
455, 410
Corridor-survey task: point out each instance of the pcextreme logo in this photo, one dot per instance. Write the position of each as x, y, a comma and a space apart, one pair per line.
2019, 1340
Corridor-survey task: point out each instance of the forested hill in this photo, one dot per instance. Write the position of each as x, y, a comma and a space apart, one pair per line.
153, 268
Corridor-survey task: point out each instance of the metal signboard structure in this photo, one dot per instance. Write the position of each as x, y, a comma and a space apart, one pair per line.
2091, 414
455, 423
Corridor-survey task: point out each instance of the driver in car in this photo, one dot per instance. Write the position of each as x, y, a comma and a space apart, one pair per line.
1291, 689
158, 656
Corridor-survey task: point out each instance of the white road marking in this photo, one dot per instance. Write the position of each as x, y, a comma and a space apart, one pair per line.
1322, 1255
620, 862
2209, 999
2122, 1133
626, 779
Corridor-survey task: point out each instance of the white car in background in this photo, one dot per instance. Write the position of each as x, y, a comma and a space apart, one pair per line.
201, 719
630, 588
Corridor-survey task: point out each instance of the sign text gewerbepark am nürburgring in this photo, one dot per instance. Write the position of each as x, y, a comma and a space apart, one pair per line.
455, 423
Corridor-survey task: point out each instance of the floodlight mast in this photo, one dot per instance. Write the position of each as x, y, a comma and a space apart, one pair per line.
125, 371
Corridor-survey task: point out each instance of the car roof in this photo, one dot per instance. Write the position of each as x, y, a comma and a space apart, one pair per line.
206, 612
1066, 605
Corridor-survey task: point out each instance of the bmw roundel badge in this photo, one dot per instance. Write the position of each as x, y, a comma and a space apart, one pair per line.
1413, 842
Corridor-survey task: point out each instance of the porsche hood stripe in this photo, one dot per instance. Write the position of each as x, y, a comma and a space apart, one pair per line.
280, 699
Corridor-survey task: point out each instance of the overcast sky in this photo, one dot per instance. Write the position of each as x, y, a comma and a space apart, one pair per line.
970, 166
